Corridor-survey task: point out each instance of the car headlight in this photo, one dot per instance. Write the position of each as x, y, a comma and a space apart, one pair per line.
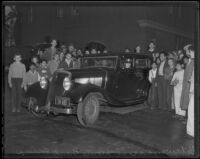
43, 82
67, 83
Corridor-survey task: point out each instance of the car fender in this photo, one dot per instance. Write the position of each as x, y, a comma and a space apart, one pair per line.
80, 91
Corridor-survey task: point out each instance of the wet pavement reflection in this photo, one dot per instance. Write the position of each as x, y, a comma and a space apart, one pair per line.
142, 131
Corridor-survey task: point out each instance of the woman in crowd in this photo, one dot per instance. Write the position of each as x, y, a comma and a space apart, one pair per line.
177, 83
168, 74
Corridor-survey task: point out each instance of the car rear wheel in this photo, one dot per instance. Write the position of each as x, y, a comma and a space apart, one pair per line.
34, 109
88, 111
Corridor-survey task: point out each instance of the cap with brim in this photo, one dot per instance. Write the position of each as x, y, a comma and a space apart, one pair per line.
186, 46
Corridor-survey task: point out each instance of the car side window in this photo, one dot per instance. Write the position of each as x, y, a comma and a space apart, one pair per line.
141, 63
127, 63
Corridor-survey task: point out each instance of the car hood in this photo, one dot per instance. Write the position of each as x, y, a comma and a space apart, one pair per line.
94, 76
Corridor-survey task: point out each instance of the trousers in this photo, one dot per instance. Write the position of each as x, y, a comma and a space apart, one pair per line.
162, 94
16, 93
190, 120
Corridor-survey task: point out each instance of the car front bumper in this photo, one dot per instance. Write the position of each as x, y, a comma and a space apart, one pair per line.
68, 110
52, 107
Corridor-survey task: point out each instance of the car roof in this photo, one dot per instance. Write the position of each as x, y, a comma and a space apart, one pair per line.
142, 55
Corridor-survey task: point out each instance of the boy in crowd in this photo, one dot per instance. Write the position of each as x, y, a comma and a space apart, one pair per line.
44, 70
31, 76
35, 60
16, 75
153, 92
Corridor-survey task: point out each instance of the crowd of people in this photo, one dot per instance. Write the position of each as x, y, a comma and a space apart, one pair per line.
171, 76
172, 85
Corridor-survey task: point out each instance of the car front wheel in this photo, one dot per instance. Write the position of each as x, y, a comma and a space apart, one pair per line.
34, 109
88, 111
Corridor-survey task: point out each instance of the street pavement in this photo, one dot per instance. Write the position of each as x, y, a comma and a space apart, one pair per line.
142, 132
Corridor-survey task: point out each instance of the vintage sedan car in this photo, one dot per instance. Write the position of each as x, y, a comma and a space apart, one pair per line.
113, 79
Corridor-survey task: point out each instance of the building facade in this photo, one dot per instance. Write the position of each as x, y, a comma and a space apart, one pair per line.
117, 26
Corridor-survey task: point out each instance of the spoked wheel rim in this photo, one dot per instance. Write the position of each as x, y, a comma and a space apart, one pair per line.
80, 113
91, 107
88, 111
34, 108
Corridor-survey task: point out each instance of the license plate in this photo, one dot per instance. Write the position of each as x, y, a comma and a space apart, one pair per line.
62, 101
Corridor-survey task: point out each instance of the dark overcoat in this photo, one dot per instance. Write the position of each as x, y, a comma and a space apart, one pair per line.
186, 85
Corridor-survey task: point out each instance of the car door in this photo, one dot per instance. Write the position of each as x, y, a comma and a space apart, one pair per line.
142, 66
125, 83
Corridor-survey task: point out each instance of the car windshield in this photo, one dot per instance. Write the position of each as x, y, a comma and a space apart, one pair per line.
109, 62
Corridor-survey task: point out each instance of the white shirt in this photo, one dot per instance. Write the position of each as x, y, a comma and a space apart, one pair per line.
152, 74
189, 61
161, 68
178, 75
192, 82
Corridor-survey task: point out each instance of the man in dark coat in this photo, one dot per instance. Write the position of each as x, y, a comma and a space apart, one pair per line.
187, 76
67, 63
161, 82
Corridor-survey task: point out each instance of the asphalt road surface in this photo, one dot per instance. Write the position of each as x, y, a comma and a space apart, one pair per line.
143, 131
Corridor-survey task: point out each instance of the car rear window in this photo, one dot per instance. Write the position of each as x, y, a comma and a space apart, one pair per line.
109, 62
142, 63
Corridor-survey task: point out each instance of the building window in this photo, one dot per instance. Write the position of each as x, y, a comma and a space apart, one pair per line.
59, 12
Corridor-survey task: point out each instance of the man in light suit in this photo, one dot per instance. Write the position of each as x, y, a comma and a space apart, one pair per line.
187, 76
161, 82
